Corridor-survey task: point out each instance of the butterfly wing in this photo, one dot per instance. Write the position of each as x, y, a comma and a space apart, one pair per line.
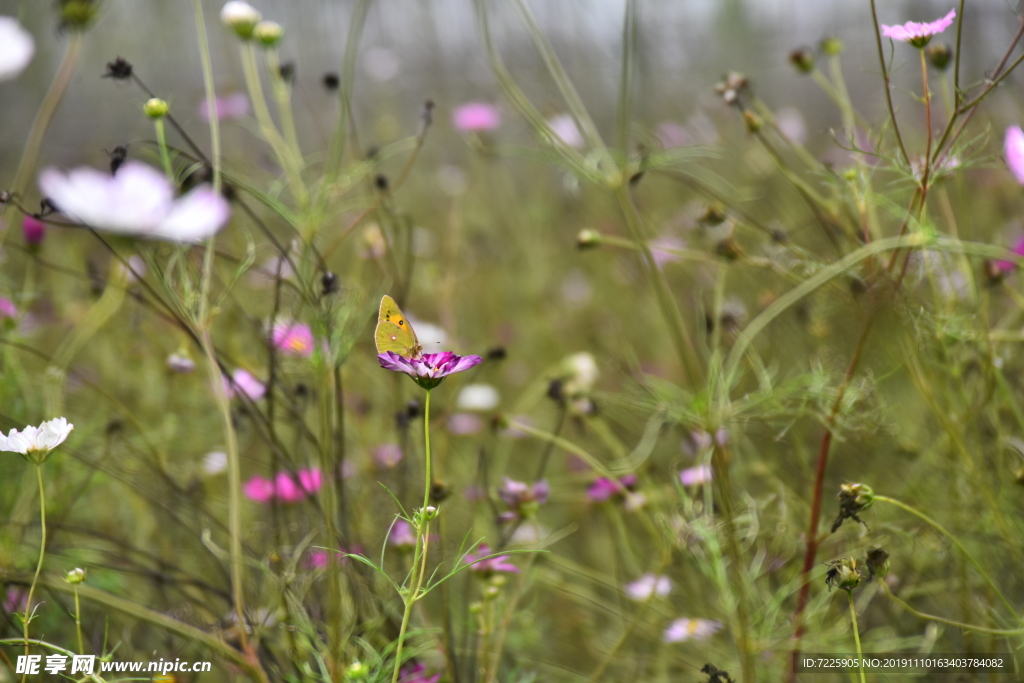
394, 332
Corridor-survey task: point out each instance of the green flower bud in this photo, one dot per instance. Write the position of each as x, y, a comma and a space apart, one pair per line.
940, 55
752, 121
75, 576
587, 238
842, 574
878, 563
77, 14
831, 46
356, 671
268, 33
155, 108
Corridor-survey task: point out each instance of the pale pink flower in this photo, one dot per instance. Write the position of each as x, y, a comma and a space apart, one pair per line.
233, 106
7, 308
647, 586
692, 476
258, 489
475, 117
464, 424
402, 535
16, 600
479, 562
1014, 149
565, 129
685, 629
388, 455
317, 558
294, 339
916, 33
243, 383
665, 250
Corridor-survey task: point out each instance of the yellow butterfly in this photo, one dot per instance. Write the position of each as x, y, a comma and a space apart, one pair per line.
394, 332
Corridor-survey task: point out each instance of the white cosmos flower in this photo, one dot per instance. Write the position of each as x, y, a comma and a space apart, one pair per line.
648, 585
138, 200
16, 48
478, 397
685, 629
37, 442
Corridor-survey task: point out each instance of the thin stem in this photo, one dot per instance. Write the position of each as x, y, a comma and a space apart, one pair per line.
78, 622
161, 140
856, 635
419, 562
45, 114
39, 565
950, 622
888, 88
211, 94
927, 122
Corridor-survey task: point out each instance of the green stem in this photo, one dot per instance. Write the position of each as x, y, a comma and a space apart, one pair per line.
211, 94
419, 561
953, 539
856, 635
888, 87
39, 565
165, 156
78, 622
927, 122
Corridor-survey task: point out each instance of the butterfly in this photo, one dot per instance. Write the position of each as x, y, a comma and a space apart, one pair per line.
394, 332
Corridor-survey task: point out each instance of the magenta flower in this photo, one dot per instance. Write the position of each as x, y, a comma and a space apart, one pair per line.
243, 383
692, 476
258, 489
1007, 266
16, 600
294, 339
286, 490
318, 558
388, 455
1014, 149
916, 33
310, 480
523, 498
475, 117
431, 368
233, 106
604, 488
34, 230
417, 673
490, 565
7, 308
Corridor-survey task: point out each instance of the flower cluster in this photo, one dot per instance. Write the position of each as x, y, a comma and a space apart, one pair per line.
284, 487
480, 563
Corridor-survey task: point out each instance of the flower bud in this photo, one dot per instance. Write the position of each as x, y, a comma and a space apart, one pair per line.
155, 108
34, 230
491, 592
752, 121
588, 238
428, 514
356, 671
853, 498
803, 60
713, 214
75, 576
831, 46
878, 563
77, 14
842, 574
940, 55
241, 17
268, 33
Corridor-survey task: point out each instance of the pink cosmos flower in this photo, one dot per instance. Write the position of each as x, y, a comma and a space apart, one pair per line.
474, 117
7, 308
523, 498
388, 455
665, 250
431, 368
258, 489
417, 673
286, 490
498, 563
138, 200
402, 535
16, 600
464, 424
692, 476
565, 129
647, 586
1014, 150
916, 33
604, 488
1007, 266
294, 339
310, 480
233, 106
318, 558
243, 383
685, 629
33, 229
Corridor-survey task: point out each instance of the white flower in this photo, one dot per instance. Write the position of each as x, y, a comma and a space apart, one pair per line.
686, 629
241, 17
138, 200
648, 585
215, 462
564, 127
580, 373
16, 48
37, 442
478, 397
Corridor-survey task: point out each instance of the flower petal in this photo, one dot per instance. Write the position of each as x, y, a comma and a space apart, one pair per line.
16, 48
194, 217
